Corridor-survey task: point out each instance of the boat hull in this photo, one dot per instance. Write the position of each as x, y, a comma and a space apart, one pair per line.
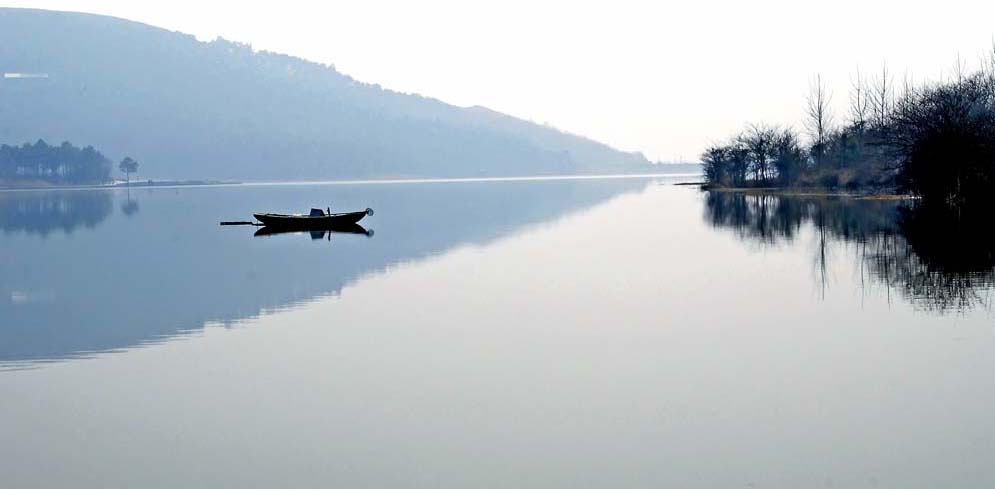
310, 222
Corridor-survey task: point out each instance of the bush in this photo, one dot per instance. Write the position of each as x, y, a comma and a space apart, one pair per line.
944, 136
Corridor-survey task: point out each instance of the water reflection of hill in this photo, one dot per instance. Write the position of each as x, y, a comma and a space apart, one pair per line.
938, 259
171, 268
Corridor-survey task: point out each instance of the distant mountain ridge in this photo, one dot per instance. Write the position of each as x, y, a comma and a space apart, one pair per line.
192, 109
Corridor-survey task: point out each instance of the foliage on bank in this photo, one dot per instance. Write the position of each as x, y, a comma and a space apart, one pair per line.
63, 164
935, 140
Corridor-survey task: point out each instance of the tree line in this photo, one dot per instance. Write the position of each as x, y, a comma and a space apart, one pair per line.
62, 164
934, 140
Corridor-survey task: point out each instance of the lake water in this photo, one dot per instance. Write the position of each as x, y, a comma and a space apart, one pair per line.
619, 332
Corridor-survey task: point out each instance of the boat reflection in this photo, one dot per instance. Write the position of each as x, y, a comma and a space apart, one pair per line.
315, 233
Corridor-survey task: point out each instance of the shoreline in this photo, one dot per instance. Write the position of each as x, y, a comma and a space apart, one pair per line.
808, 192
203, 183
138, 184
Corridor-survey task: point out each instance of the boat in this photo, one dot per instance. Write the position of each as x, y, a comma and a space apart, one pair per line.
317, 219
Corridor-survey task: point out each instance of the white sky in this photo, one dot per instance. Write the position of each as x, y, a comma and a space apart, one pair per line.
658, 77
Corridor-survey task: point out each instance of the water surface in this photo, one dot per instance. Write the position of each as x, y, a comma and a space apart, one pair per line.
552, 333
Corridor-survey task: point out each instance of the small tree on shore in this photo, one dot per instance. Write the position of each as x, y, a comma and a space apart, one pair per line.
716, 162
128, 166
789, 157
759, 141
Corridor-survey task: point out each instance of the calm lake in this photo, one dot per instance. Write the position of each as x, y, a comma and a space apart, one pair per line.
605, 332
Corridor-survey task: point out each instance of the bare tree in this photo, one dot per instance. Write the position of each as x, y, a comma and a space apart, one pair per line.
859, 103
991, 61
900, 107
716, 163
960, 69
881, 97
908, 85
819, 117
760, 140
789, 157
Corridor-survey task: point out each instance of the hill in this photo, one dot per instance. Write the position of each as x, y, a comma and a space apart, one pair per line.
220, 109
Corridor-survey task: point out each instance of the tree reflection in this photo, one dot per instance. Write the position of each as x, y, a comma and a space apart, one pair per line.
130, 206
44, 212
937, 258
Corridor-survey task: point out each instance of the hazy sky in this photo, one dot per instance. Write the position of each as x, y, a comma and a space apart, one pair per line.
659, 77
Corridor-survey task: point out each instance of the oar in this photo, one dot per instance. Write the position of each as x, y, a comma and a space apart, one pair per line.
240, 223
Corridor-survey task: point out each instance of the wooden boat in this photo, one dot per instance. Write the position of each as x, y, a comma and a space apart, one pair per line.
317, 219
